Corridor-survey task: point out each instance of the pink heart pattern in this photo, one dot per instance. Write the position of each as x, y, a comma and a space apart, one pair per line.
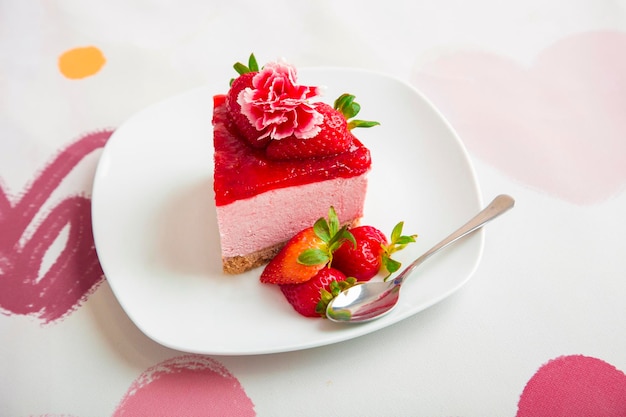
76, 271
557, 126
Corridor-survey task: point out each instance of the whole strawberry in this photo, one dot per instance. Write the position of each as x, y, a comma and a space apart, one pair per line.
363, 260
311, 297
307, 252
247, 131
241, 122
335, 136
371, 253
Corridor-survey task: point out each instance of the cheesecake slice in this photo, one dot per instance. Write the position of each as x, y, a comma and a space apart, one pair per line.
263, 200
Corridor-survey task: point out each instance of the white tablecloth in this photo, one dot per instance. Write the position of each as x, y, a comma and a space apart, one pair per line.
536, 91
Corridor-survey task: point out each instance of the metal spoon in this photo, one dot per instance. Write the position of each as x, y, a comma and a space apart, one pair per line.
371, 300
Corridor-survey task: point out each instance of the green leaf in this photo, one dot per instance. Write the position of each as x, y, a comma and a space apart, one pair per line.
397, 242
326, 295
347, 106
322, 229
253, 66
338, 238
396, 232
335, 242
322, 304
335, 288
391, 265
347, 235
361, 123
333, 221
405, 240
352, 110
343, 101
332, 234
241, 68
313, 257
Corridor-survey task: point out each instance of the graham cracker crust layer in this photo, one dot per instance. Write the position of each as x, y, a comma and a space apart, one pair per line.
239, 264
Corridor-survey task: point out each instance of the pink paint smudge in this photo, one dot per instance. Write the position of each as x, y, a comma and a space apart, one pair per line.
557, 126
76, 272
186, 386
574, 386
568, 386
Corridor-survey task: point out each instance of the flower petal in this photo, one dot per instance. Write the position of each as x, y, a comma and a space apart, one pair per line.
277, 103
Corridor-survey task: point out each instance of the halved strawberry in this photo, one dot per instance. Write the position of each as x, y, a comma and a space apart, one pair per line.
311, 297
334, 137
307, 252
284, 267
371, 253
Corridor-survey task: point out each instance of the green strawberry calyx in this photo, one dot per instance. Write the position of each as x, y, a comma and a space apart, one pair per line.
332, 235
397, 242
349, 108
252, 66
335, 288
241, 69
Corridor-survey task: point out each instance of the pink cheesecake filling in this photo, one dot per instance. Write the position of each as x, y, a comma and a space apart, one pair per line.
261, 221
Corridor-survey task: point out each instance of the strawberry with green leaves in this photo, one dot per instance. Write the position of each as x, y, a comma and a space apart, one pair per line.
307, 252
371, 253
237, 85
321, 261
272, 111
310, 298
335, 136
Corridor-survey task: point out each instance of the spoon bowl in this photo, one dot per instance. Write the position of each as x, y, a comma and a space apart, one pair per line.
371, 300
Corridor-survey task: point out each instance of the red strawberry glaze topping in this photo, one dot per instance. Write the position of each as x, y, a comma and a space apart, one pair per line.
246, 172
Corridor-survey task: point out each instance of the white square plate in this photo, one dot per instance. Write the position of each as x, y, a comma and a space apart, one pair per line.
156, 233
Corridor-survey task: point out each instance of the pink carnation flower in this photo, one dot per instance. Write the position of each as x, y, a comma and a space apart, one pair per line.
277, 106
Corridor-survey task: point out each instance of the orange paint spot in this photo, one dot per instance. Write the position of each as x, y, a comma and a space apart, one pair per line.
81, 62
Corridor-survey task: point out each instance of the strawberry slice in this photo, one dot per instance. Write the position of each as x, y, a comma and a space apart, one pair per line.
311, 297
371, 253
307, 252
335, 136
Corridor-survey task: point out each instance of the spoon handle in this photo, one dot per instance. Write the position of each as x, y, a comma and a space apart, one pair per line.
499, 205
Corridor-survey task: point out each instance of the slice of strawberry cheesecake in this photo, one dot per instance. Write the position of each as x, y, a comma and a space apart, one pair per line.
281, 160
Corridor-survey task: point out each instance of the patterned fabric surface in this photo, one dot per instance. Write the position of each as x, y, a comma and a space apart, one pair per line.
535, 90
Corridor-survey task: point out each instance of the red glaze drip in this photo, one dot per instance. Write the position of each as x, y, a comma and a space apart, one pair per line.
242, 172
